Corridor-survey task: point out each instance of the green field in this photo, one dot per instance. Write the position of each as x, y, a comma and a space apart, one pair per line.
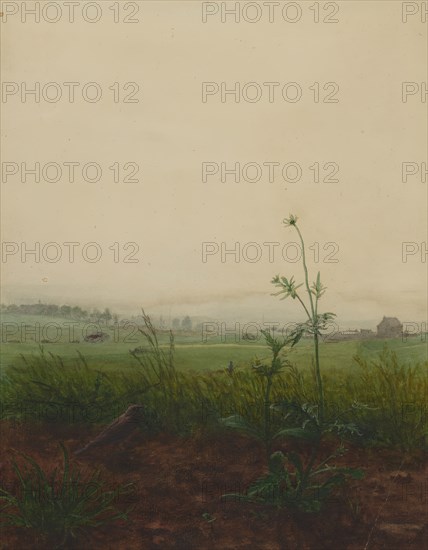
378, 386
191, 352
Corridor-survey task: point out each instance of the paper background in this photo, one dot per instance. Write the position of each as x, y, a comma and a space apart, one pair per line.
171, 132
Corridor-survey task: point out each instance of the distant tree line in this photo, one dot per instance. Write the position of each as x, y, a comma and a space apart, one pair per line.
65, 311
95, 315
183, 324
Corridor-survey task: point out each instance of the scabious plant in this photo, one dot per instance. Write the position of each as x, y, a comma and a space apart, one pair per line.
315, 322
291, 480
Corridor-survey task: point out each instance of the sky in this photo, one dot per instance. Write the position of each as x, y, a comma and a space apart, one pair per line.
366, 233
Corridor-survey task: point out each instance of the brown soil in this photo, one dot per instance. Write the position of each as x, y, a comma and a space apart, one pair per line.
179, 481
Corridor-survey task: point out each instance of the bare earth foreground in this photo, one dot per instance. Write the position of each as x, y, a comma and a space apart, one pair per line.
178, 484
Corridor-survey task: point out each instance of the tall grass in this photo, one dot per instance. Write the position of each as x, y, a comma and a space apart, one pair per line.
396, 398
384, 398
41, 387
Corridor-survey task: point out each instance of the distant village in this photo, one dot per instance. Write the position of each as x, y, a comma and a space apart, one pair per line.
389, 327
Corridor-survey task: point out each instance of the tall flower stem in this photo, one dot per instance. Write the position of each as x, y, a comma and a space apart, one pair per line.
315, 330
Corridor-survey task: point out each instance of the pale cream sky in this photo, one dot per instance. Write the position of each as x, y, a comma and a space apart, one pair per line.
170, 132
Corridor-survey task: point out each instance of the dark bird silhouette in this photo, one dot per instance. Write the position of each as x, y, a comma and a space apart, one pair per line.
117, 431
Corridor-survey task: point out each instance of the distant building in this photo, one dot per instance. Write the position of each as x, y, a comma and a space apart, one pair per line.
389, 327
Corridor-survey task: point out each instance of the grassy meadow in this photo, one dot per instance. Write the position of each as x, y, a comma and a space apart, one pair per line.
193, 351
186, 384
201, 422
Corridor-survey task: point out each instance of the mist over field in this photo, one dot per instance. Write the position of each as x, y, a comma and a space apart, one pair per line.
256, 307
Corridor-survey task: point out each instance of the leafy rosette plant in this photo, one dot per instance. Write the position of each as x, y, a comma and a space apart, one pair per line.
291, 482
